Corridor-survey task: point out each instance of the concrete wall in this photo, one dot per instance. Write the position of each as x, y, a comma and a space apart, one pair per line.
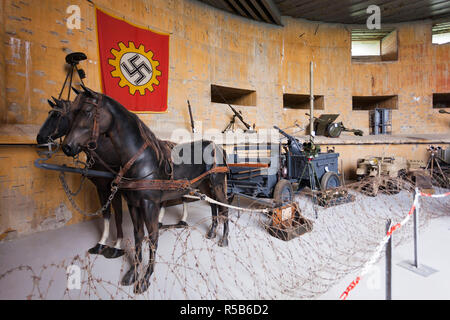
207, 46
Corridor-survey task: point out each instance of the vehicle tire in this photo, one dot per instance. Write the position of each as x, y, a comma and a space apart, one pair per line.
283, 192
330, 180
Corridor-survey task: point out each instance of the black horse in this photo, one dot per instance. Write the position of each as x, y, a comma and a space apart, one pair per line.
57, 125
144, 156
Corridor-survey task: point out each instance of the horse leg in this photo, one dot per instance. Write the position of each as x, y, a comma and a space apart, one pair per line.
183, 222
101, 245
221, 196
116, 252
131, 276
150, 212
162, 212
205, 188
212, 231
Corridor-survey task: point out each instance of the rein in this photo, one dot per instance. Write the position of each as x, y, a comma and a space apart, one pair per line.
92, 143
141, 183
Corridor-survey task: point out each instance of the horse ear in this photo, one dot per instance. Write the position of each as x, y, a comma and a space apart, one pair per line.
58, 103
76, 91
51, 103
87, 90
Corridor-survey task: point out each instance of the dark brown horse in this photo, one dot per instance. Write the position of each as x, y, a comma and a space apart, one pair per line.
145, 157
57, 125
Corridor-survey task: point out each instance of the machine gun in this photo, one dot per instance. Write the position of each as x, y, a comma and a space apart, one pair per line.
233, 120
293, 144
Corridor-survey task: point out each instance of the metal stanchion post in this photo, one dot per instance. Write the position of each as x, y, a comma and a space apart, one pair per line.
389, 263
414, 266
416, 235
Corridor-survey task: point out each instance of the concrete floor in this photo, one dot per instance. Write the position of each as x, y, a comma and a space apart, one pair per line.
192, 267
434, 252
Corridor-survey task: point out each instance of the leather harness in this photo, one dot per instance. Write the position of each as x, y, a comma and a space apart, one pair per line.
143, 184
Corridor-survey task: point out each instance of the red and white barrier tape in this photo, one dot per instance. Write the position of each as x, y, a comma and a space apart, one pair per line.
435, 195
379, 248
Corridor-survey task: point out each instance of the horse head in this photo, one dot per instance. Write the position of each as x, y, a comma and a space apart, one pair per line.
57, 123
91, 120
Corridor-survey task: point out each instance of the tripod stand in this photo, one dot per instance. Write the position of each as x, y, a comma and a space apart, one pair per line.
433, 160
231, 124
73, 59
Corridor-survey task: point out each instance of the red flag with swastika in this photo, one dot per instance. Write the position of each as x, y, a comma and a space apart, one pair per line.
134, 64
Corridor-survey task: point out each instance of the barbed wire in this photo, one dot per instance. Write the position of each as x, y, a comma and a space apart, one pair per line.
255, 265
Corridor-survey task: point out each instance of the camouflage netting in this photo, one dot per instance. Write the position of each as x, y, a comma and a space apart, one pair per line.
255, 265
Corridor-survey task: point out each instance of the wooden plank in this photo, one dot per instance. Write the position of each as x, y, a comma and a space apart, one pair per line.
18, 133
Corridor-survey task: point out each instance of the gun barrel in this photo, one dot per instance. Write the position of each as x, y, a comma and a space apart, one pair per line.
294, 145
237, 114
283, 133
190, 115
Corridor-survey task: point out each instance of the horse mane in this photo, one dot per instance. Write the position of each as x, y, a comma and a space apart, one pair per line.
161, 148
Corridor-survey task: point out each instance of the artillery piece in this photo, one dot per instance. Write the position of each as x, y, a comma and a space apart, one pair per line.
381, 173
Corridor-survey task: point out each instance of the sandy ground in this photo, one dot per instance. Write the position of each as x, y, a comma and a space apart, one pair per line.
317, 265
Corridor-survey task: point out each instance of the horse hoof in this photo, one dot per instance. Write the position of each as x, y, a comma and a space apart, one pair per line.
129, 278
112, 253
141, 286
98, 249
183, 224
211, 234
223, 242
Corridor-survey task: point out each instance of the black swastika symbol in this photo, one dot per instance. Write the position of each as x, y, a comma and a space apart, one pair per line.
137, 69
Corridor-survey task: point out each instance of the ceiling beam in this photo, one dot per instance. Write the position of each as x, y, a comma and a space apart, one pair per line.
237, 9
250, 10
263, 14
273, 10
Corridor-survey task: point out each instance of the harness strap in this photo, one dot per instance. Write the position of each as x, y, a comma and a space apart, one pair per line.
92, 144
128, 165
168, 185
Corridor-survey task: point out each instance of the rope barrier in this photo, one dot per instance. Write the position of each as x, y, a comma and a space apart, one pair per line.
383, 242
210, 200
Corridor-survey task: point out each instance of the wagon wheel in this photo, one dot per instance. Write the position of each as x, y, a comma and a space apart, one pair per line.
283, 192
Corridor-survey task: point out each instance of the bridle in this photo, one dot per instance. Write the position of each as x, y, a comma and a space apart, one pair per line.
63, 112
91, 145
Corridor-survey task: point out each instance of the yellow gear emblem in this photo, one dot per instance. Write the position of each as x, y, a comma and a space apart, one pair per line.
135, 68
